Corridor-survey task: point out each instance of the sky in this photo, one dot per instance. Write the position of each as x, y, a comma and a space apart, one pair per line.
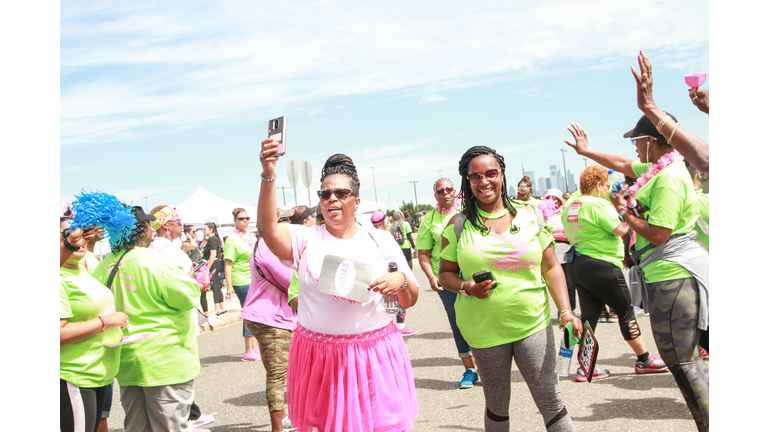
182, 92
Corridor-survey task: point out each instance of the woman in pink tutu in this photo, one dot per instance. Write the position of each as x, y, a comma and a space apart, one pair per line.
348, 368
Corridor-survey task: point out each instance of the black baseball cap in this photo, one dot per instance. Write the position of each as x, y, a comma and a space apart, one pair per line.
141, 216
645, 126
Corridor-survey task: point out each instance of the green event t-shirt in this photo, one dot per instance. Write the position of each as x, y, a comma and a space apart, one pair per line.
158, 297
588, 222
430, 235
406, 230
518, 305
89, 262
239, 252
670, 197
703, 200
87, 363
293, 288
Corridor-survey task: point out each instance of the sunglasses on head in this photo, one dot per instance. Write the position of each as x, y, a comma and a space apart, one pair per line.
490, 175
447, 190
325, 194
247, 218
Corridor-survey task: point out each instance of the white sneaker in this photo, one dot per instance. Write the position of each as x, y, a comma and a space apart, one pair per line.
202, 420
287, 424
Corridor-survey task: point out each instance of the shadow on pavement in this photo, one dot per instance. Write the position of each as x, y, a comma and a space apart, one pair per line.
431, 336
248, 400
433, 384
436, 361
637, 409
239, 427
221, 359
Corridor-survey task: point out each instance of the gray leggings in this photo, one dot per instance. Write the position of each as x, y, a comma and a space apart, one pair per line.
535, 358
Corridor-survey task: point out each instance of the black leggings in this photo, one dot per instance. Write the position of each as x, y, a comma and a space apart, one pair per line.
79, 408
215, 287
599, 283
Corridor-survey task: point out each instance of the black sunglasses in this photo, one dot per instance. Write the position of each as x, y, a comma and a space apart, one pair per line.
325, 194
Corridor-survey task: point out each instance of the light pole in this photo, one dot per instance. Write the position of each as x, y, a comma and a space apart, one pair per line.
375, 196
389, 196
416, 209
585, 162
565, 170
146, 206
283, 188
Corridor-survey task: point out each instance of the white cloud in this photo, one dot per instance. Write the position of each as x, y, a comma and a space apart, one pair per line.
431, 98
130, 70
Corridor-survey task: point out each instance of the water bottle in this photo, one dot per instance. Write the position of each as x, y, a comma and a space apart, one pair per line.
391, 302
615, 181
563, 367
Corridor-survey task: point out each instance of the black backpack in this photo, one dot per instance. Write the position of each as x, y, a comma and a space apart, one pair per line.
399, 234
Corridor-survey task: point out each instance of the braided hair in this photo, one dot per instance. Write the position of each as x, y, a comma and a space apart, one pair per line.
341, 164
470, 202
139, 231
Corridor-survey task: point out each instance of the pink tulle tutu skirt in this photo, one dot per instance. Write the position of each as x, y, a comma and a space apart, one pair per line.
351, 383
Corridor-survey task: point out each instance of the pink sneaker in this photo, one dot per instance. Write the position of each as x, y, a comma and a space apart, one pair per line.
252, 356
405, 331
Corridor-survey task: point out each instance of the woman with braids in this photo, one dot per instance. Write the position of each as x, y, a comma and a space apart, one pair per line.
348, 367
156, 375
238, 248
429, 242
673, 264
594, 229
506, 317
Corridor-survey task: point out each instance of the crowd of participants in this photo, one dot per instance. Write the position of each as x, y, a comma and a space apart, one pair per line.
342, 365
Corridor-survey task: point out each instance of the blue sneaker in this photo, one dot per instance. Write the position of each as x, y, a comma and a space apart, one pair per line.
468, 380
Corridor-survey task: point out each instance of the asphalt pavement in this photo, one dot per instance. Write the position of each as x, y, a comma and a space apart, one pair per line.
625, 401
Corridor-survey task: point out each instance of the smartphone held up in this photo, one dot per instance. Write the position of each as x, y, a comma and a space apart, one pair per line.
277, 131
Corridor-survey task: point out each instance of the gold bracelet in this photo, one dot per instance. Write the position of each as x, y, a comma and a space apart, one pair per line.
662, 121
669, 141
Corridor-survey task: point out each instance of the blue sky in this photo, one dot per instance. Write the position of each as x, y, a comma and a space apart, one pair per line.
182, 93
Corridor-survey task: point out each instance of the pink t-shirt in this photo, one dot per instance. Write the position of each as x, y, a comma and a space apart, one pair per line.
265, 303
329, 314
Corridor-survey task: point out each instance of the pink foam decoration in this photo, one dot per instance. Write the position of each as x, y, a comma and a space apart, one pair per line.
695, 80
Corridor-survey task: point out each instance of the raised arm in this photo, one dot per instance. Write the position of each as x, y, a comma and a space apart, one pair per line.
617, 163
687, 144
276, 237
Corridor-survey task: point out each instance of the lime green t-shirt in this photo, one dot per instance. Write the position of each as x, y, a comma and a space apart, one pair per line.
293, 288
703, 200
158, 297
518, 305
239, 252
670, 197
88, 363
89, 262
588, 222
430, 235
406, 230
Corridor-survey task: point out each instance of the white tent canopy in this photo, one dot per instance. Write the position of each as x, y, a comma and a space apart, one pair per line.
203, 207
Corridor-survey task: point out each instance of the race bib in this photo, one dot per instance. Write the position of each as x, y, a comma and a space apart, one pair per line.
573, 212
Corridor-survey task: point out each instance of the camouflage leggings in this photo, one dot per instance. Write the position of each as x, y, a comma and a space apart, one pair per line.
273, 344
674, 311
